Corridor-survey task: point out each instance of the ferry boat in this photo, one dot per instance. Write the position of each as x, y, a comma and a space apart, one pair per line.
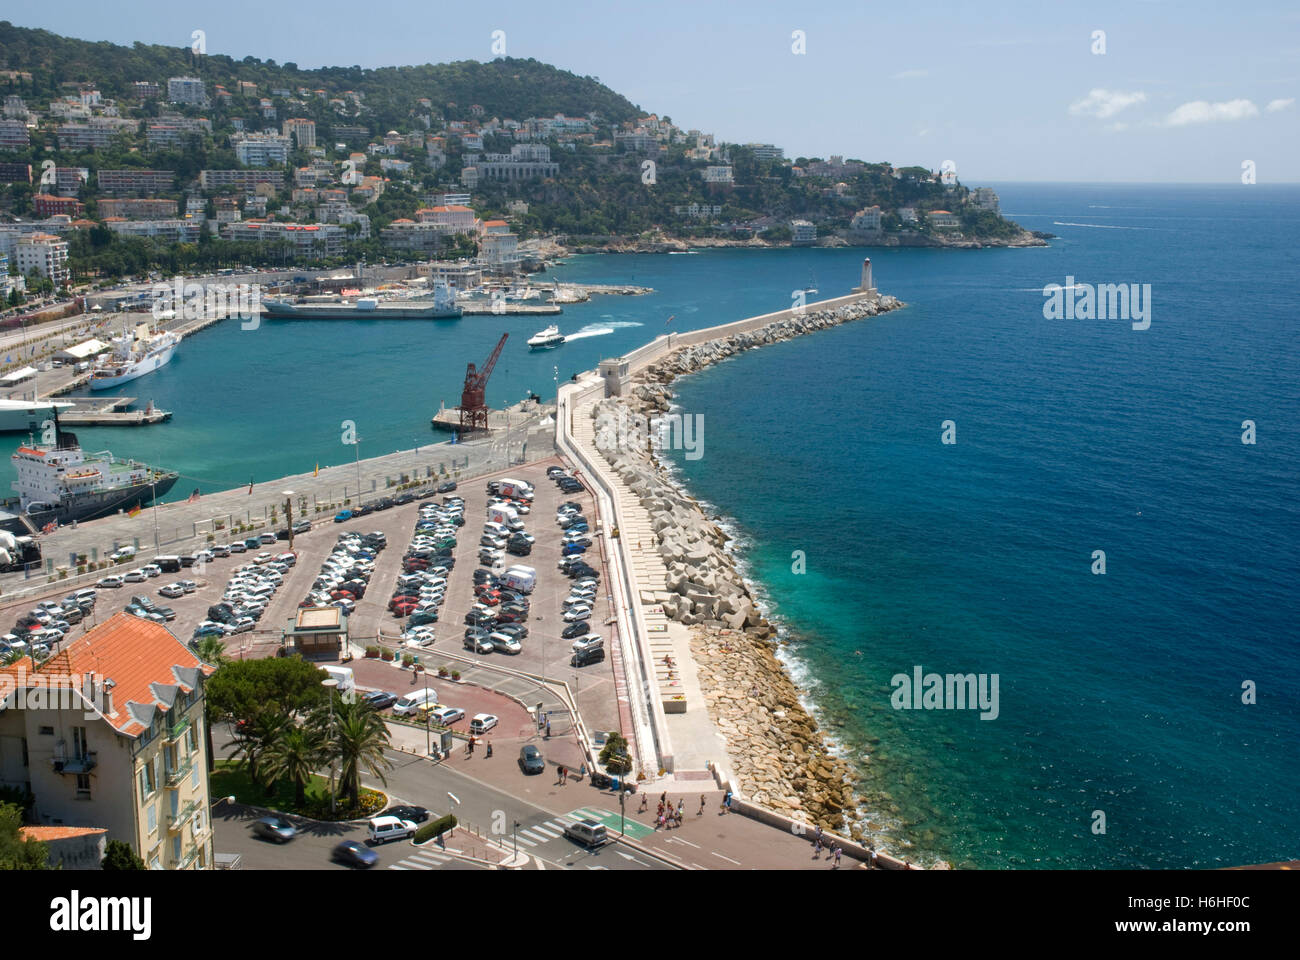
28, 416
550, 337
61, 483
440, 304
133, 355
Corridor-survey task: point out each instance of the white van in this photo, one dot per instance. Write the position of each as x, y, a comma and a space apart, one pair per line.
499, 530
383, 829
344, 676
414, 700
521, 579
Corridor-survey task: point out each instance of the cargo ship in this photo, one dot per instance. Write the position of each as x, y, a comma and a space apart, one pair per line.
60, 483
439, 305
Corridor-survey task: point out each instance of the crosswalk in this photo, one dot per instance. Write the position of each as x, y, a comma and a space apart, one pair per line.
423, 860
536, 834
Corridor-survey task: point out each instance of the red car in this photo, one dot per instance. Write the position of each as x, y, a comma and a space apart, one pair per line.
393, 603
405, 608
489, 599
342, 595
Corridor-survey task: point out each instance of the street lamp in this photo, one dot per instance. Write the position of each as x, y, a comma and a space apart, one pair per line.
288, 515
356, 443
622, 817
515, 832
331, 683
428, 743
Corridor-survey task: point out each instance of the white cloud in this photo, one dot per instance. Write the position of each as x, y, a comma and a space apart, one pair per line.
910, 74
1101, 103
1202, 111
1275, 105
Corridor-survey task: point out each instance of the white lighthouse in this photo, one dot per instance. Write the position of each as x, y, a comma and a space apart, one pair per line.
866, 286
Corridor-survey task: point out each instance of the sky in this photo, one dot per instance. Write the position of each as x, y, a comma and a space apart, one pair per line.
1166, 92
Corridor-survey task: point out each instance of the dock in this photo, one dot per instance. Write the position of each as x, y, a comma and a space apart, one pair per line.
486, 307
447, 419
111, 412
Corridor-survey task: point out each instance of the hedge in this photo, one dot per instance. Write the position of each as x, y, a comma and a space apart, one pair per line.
435, 828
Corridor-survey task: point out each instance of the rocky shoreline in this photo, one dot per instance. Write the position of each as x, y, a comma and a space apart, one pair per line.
776, 749
1024, 238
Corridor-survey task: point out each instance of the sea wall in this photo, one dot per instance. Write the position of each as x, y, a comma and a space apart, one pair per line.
776, 750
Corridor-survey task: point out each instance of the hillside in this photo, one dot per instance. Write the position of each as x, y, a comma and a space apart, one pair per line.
505, 87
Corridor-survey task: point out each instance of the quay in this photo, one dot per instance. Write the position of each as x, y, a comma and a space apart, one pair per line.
111, 412
505, 307
447, 418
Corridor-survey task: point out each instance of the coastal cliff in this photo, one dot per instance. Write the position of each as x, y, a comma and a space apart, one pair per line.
774, 744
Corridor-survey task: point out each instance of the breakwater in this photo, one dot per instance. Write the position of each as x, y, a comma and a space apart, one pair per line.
775, 747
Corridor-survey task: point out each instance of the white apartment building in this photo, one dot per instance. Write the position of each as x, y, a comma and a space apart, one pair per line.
186, 90
45, 254
261, 149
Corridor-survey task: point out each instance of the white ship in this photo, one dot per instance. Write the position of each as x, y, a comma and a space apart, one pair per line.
29, 416
550, 337
133, 355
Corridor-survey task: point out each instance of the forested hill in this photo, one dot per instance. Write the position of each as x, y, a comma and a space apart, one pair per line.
505, 87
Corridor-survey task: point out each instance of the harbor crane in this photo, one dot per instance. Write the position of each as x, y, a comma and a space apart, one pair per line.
473, 405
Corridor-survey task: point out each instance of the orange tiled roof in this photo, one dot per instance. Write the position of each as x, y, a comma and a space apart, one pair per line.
57, 833
148, 665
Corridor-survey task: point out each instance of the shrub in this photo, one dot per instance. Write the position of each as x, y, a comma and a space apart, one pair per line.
435, 828
442, 671
455, 674
407, 659
372, 652
386, 654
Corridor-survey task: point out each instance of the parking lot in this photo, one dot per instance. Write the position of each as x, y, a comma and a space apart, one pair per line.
543, 652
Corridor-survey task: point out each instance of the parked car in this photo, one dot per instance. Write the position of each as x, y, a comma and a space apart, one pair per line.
342, 516
276, 829
530, 759
482, 723
446, 716
447, 487
238, 547
172, 590
112, 582
383, 829
504, 643
575, 630
479, 644
586, 657
354, 854
414, 814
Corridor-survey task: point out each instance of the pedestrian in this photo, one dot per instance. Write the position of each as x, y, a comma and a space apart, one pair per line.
681, 805
838, 851
489, 748
663, 798
659, 820
564, 774
660, 811
726, 802
701, 813
469, 748
872, 862
818, 841
548, 729
645, 802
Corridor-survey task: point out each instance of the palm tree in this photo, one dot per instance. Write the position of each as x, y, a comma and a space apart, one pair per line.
359, 739
257, 740
210, 650
294, 755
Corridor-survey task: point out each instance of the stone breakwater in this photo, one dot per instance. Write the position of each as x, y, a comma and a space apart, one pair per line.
776, 750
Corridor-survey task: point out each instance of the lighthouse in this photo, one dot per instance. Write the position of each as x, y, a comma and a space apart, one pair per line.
866, 286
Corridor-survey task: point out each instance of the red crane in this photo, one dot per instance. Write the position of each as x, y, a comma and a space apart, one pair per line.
473, 406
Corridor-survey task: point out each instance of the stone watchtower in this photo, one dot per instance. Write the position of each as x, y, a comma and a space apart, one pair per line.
614, 373
866, 286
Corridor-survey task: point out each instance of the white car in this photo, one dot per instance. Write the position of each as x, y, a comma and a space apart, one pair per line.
243, 625
152, 570
220, 550
135, 576
189, 586
577, 612
482, 723
446, 716
172, 590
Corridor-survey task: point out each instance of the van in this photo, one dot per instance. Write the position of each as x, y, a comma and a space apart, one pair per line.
383, 829
589, 833
522, 579
515, 488
494, 529
505, 516
413, 701
344, 676
168, 564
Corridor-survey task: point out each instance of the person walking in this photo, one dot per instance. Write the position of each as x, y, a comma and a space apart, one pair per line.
488, 752
817, 848
818, 841
564, 774
726, 802
645, 802
701, 813
548, 729
681, 806
838, 851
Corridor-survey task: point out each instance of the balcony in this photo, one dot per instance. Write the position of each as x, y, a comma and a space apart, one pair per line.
176, 730
82, 764
190, 857
177, 774
178, 819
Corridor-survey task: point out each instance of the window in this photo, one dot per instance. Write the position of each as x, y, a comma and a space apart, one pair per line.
47, 731
194, 777
152, 814
78, 743
24, 751
191, 742
146, 782
83, 786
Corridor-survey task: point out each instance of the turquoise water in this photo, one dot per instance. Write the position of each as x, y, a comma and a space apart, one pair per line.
1119, 693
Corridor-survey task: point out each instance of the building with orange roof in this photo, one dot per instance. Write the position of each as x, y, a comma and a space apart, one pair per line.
70, 848
108, 733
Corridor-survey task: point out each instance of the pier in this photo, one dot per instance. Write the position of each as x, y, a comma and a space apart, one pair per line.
447, 419
505, 307
111, 412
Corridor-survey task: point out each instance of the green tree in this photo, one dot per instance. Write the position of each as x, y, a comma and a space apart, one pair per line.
358, 740
258, 739
614, 755
118, 855
244, 689
295, 756
17, 853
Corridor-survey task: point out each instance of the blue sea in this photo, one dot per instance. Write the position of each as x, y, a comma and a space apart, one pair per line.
1121, 695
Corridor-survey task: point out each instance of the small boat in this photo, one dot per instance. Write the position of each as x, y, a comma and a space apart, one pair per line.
550, 337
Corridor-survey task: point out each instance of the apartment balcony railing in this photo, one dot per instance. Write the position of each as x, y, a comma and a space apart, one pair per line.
188, 860
177, 774
178, 819
82, 764
175, 731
